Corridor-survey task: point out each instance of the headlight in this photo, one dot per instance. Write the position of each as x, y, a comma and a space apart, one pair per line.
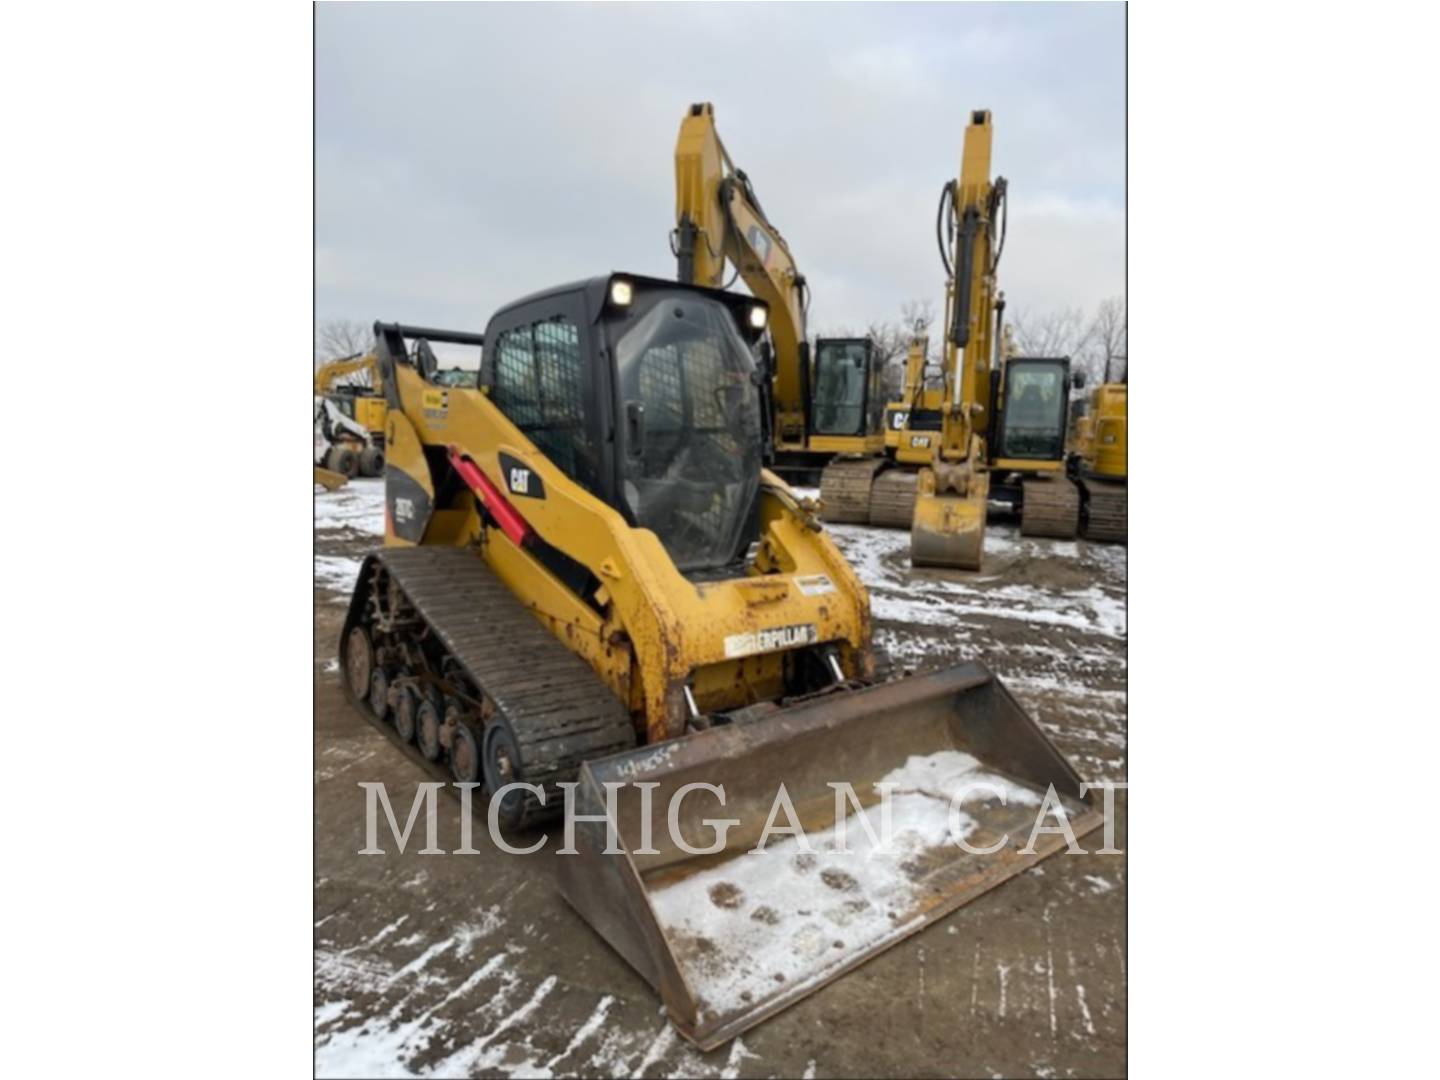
621, 293
757, 317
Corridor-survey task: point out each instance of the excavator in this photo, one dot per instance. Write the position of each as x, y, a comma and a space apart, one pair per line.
1099, 464
995, 430
598, 600
885, 494
826, 404
351, 417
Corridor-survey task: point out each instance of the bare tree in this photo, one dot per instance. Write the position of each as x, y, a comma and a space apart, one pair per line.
917, 316
1108, 340
1053, 333
335, 338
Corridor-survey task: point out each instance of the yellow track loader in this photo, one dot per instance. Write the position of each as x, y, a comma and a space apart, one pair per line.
826, 404
593, 587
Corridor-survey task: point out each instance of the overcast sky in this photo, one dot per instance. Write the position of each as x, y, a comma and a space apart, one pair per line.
468, 154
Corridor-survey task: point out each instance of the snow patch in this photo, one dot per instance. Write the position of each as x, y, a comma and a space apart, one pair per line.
765, 923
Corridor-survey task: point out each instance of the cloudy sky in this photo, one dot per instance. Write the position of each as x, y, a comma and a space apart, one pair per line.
468, 154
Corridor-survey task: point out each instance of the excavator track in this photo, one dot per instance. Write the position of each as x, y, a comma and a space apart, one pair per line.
1106, 510
892, 498
845, 490
1050, 507
439, 621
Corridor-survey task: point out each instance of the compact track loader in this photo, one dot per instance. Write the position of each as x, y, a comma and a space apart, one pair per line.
593, 585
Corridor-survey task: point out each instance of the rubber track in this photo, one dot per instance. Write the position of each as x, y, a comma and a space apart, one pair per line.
845, 489
560, 711
1050, 507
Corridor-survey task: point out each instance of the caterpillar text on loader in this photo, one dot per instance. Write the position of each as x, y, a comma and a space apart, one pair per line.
351, 417
831, 403
591, 578
1099, 463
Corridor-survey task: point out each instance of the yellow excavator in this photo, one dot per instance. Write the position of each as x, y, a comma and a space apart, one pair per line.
351, 418
911, 425
593, 586
826, 404
996, 428
1099, 463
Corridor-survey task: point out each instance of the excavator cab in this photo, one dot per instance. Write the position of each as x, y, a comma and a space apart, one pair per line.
1034, 409
848, 398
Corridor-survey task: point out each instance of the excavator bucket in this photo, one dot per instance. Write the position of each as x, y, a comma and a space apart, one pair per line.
329, 479
729, 930
947, 530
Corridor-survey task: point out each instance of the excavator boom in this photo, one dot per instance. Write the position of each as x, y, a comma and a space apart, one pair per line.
827, 403
718, 222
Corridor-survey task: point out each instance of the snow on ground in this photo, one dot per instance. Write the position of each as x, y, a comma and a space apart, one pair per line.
1049, 617
359, 505
769, 921
349, 522
899, 593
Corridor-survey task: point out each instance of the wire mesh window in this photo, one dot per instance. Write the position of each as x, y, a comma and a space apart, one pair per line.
516, 391
539, 385
661, 391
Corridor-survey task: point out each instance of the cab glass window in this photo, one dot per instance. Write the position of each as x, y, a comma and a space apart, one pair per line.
840, 376
1034, 410
539, 386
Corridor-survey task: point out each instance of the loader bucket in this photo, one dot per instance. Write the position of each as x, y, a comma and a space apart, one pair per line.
733, 936
947, 530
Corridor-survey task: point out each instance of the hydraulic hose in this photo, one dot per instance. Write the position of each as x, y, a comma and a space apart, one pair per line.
946, 196
999, 206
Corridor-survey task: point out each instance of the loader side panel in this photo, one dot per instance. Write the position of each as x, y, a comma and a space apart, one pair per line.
409, 488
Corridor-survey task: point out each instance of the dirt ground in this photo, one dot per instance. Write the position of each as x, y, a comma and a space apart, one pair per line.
447, 965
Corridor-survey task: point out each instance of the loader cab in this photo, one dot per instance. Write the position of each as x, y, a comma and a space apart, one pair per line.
848, 398
646, 393
1034, 409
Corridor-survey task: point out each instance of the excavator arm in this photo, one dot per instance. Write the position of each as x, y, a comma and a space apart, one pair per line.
329, 374
718, 219
970, 206
948, 528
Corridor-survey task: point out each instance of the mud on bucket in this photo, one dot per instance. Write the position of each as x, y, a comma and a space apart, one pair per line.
729, 936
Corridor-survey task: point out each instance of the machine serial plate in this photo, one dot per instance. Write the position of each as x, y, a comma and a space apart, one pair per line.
815, 584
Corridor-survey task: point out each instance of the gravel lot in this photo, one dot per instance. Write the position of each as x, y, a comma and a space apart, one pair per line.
474, 966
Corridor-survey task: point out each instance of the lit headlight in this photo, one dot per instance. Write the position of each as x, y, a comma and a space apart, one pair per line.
621, 293
757, 317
